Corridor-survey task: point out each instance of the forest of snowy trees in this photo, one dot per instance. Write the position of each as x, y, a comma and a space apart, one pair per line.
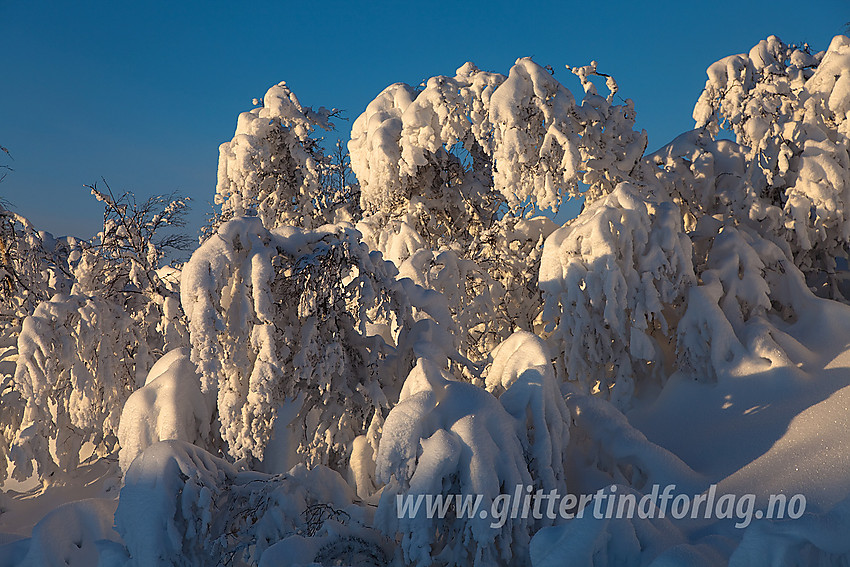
405, 318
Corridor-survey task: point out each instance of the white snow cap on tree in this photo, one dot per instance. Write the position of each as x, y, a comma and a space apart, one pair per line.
526, 137
273, 167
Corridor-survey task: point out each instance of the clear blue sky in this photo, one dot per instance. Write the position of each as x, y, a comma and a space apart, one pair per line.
143, 93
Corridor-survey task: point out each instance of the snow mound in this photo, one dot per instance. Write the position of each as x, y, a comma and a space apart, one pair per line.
169, 406
73, 534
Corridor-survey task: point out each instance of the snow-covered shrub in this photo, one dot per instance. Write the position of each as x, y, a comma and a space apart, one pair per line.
33, 267
274, 168
182, 506
750, 291
523, 378
307, 319
333, 544
749, 297
448, 437
165, 510
614, 282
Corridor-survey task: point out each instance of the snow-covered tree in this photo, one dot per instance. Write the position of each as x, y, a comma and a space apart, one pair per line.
765, 213
298, 323
124, 263
520, 140
449, 174
787, 108
33, 267
523, 378
449, 437
614, 282
74, 372
86, 348
274, 168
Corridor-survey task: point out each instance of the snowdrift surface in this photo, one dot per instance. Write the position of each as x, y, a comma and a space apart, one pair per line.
414, 369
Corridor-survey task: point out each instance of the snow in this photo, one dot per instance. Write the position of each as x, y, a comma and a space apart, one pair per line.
813, 539
592, 541
74, 534
47, 525
446, 436
169, 406
689, 330
812, 457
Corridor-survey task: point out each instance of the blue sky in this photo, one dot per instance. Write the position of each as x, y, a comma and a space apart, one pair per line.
143, 93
